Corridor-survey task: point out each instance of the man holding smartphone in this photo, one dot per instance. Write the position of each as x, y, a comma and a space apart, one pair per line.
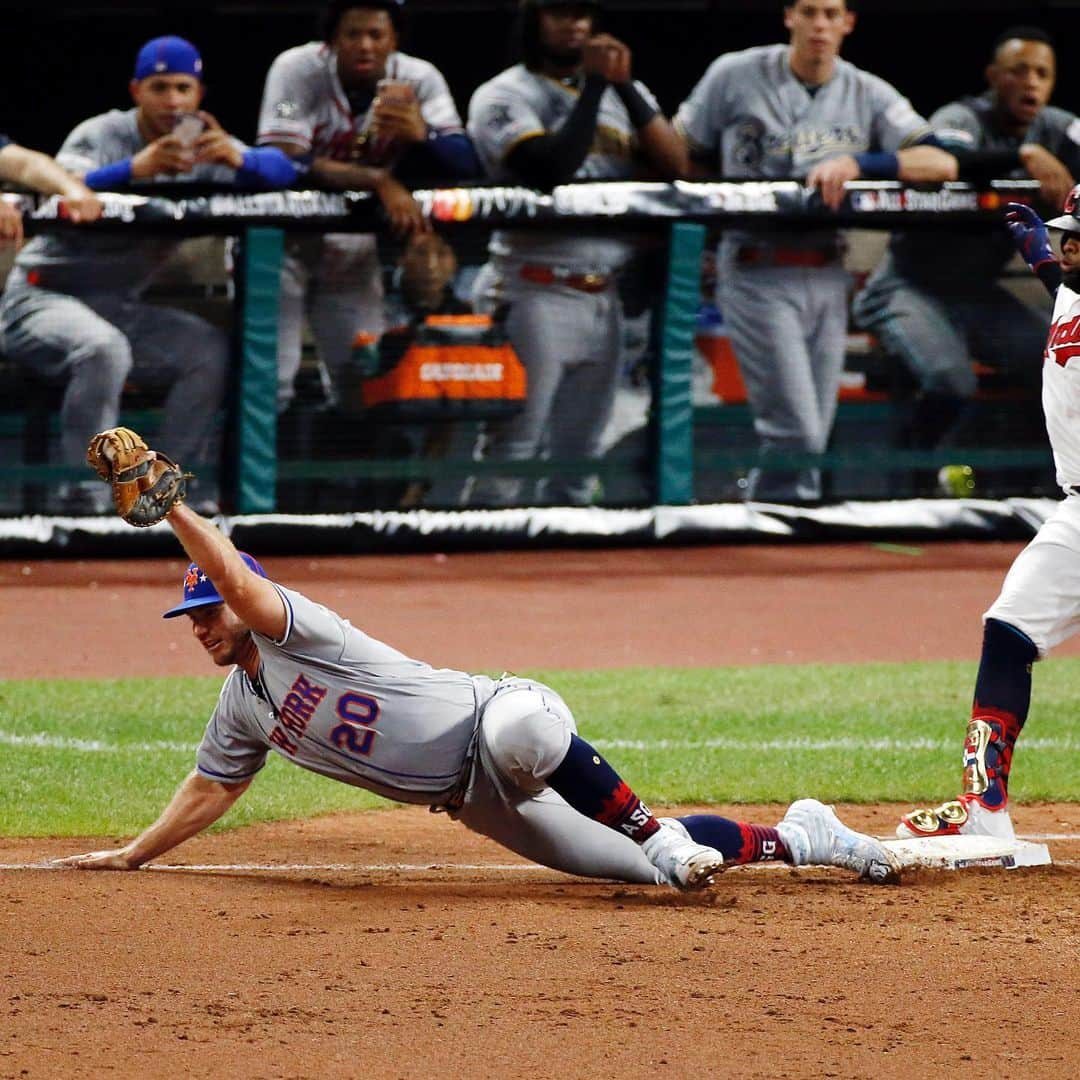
72, 309
357, 114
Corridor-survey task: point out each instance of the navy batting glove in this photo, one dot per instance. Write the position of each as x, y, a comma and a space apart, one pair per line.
1029, 234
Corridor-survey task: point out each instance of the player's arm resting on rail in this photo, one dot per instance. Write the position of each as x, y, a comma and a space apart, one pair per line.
926, 162
197, 804
39, 172
402, 209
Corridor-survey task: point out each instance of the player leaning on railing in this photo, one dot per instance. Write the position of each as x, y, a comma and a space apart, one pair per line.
1039, 604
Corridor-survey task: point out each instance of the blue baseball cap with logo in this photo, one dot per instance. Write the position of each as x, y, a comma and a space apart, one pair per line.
200, 591
168, 56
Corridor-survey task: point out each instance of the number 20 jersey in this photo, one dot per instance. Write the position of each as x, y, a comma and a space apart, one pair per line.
335, 701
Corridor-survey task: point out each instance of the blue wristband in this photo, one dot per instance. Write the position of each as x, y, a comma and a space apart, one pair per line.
116, 174
878, 166
267, 166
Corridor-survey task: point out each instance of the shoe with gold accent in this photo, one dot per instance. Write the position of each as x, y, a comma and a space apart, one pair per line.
965, 816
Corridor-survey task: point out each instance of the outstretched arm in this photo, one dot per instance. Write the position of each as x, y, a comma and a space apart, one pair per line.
252, 598
197, 804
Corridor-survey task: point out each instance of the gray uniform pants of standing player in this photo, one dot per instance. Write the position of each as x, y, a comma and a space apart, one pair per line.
788, 327
570, 344
936, 332
524, 735
336, 281
99, 341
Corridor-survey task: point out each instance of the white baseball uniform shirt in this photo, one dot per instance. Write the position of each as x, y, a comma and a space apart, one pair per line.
519, 104
337, 702
304, 102
1061, 386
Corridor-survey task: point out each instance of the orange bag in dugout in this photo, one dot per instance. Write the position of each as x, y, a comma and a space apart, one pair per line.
455, 366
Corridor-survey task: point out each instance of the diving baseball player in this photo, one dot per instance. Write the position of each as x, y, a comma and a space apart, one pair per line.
355, 113
940, 314
778, 112
500, 755
570, 110
1039, 604
72, 307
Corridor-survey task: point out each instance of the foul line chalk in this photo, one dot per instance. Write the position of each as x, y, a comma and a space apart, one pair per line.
43, 740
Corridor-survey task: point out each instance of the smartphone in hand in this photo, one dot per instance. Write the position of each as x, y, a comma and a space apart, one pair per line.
188, 127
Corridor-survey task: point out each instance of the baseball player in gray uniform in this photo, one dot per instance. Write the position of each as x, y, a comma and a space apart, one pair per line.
500, 755
773, 113
356, 113
569, 111
72, 306
940, 309
1039, 604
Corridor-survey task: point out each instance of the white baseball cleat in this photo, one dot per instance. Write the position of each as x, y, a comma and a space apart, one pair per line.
683, 864
965, 816
815, 836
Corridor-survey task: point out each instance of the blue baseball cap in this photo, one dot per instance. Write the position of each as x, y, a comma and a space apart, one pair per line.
168, 56
199, 590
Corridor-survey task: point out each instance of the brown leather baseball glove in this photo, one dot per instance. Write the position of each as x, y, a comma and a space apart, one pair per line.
146, 485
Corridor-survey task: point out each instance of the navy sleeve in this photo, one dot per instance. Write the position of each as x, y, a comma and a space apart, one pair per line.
4, 140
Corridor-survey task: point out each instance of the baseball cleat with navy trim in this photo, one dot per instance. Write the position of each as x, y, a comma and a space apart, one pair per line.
681, 862
966, 816
815, 836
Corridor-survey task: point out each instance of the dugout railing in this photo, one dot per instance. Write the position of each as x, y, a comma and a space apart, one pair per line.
692, 447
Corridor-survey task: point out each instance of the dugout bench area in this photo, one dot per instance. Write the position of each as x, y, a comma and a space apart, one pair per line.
683, 435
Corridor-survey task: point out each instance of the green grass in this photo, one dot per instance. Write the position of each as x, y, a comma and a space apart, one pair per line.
860, 733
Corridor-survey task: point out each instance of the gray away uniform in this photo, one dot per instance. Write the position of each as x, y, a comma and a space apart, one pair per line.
336, 278
337, 702
569, 340
935, 301
72, 309
784, 296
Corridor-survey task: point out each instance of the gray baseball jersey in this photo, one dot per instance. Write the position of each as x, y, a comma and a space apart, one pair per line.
120, 262
305, 104
519, 104
759, 121
335, 701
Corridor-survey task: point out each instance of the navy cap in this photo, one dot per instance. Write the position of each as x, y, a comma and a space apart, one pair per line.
168, 56
199, 590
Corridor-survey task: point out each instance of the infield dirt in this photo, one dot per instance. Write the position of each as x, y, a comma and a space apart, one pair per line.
455, 959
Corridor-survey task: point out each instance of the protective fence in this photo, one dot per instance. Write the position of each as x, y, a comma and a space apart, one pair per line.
407, 429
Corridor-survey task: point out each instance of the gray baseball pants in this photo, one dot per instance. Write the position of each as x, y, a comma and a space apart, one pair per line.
570, 344
524, 735
336, 281
788, 327
98, 342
